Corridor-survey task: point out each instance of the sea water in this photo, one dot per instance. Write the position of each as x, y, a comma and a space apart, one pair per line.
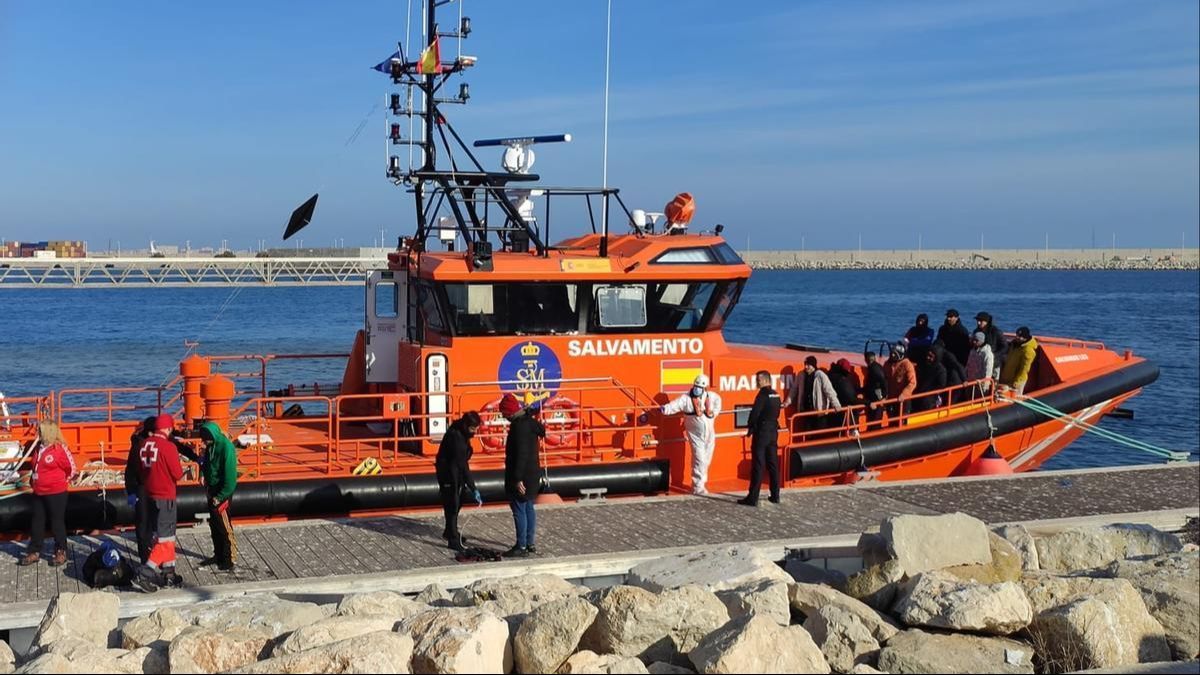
59, 338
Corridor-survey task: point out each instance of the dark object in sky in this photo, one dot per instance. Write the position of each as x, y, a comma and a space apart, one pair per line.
300, 217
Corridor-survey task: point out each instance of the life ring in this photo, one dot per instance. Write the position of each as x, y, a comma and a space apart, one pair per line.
493, 429
560, 417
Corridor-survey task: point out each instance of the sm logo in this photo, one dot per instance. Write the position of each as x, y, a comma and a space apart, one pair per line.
531, 371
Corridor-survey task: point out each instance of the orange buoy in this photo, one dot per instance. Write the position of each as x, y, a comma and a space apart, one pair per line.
990, 463
679, 211
194, 369
218, 392
544, 498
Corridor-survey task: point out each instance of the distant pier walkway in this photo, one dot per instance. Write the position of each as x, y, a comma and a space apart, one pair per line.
182, 272
585, 539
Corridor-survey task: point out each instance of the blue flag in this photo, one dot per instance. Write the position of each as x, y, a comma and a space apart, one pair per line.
386, 65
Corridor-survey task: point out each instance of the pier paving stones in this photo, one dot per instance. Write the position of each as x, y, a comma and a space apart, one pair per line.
322, 548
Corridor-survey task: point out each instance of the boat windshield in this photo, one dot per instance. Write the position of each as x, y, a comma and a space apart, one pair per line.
513, 309
569, 309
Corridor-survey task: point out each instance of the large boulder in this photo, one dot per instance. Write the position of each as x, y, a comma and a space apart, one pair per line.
435, 595
876, 585
333, 629
517, 595
940, 600
1170, 586
380, 603
459, 640
873, 548
632, 621
262, 613
591, 662
915, 651
1005, 564
664, 668
551, 633
83, 656
756, 644
1047, 590
1022, 541
926, 543
7, 658
1133, 540
766, 597
381, 652
209, 650
49, 664
715, 569
154, 630
842, 637
1110, 629
90, 616
808, 598
1075, 549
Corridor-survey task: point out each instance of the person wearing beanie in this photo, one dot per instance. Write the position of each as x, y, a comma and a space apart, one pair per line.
979, 364
219, 467
845, 382
954, 337
811, 390
995, 339
1021, 355
53, 469
700, 408
919, 338
902, 381
454, 474
160, 471
522, 473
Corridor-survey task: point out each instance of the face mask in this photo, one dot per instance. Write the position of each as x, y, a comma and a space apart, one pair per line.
697, 392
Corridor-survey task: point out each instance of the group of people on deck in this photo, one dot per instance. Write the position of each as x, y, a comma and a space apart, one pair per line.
153, 471
918, 370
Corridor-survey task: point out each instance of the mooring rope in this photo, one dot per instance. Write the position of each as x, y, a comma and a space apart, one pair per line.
1042, 408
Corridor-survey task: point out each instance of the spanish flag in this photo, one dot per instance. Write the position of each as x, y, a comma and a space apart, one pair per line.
678, 374
430, 62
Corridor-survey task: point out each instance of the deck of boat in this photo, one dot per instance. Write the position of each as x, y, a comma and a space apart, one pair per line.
292, 554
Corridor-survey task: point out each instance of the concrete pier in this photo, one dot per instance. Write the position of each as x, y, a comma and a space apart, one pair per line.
983, 259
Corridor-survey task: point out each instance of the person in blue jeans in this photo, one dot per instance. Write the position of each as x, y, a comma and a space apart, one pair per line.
522, 474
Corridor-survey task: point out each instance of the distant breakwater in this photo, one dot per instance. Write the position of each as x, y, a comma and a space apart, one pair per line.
1007, 259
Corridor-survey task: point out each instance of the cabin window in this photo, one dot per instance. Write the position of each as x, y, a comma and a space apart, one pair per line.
430, 311
727, 299
513, 309
726, 255
385, 300
621, 306
662, 307
685, 256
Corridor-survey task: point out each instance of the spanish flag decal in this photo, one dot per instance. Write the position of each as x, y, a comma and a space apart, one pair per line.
430, 62
678, 374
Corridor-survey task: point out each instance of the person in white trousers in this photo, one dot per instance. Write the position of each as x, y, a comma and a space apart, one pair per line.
700, 408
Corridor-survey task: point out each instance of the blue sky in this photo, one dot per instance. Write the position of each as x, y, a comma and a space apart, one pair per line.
788, 121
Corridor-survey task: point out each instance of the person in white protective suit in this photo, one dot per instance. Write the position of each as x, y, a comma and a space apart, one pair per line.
700, 408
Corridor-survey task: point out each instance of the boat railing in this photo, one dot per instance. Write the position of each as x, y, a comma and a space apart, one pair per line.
252, 383
19, 416
816, 426
1069, 343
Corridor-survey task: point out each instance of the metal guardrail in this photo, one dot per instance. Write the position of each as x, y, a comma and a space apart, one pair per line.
178, 272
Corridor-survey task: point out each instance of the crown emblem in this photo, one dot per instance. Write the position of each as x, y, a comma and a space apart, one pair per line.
530, 350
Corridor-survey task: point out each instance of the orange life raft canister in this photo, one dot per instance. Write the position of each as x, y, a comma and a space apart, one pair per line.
680, 210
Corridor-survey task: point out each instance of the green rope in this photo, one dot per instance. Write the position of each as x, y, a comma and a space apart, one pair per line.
1043, 408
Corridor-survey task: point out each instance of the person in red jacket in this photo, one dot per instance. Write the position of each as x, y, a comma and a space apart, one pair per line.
53, 468
160, 471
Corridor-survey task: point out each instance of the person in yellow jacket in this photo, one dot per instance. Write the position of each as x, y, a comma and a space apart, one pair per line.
1015, 372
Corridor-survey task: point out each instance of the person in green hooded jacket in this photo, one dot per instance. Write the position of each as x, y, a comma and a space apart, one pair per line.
219, 467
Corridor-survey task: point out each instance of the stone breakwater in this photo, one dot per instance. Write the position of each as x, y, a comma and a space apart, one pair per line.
939, 594
1014, 259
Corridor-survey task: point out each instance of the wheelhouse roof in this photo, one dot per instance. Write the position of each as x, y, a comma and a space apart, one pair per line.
630, 258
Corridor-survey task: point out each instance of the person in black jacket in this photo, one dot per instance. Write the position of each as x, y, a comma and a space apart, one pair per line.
956, 374
931, 376
994, 338
845, 383
522, 474
955, 337
763, 428
875, 389
135, 495
454, 474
